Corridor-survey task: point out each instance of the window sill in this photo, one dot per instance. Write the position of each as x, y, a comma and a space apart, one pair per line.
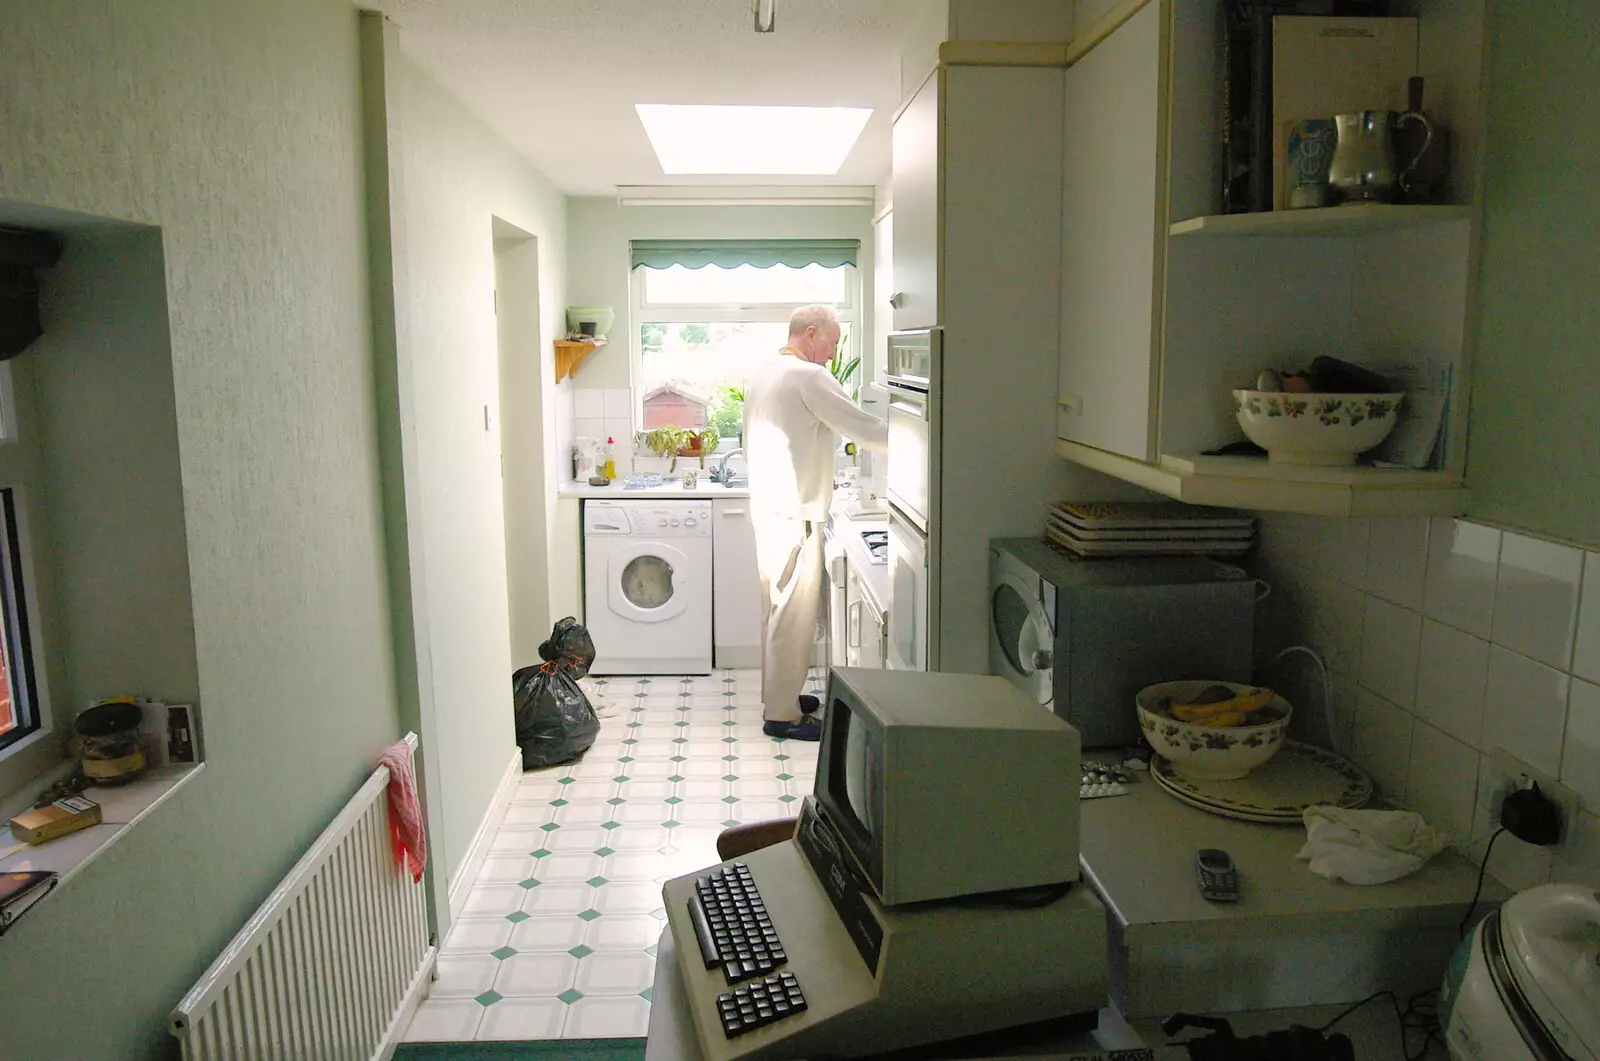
121, 808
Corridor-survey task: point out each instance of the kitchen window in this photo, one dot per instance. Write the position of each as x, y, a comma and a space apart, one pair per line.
704, 310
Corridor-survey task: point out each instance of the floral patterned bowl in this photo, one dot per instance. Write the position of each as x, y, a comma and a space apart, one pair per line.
1322, 429
1209, 753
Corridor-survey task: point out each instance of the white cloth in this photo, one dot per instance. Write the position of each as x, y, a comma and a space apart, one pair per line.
789, 559
1367, 846
794, 413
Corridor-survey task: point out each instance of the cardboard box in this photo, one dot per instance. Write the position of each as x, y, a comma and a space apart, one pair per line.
1327, 66
58, 819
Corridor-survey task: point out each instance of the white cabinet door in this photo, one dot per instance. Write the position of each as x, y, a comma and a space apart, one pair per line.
1113, 228
736, 585
916, 209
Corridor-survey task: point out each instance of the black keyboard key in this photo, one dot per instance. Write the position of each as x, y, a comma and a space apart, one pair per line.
708, 944
759, 1003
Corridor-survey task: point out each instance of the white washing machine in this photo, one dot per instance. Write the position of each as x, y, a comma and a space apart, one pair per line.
647, 586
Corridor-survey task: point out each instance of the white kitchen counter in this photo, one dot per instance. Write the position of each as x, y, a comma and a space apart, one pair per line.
671, 490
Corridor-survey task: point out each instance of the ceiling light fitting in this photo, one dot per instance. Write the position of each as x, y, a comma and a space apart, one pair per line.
765, 15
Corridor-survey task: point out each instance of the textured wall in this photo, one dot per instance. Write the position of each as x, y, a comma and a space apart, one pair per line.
1534, 450
454, 179
235, 128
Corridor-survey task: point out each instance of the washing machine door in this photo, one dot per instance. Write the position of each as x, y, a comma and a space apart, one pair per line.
1021, 634
646, 582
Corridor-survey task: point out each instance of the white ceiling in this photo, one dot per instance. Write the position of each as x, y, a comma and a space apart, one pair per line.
558, 78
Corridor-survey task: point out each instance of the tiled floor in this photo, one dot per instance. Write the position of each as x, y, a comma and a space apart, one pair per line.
558, 938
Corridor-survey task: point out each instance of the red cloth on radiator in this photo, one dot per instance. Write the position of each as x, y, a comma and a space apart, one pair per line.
405, 809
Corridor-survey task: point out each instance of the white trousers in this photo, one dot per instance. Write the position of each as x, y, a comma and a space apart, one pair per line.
789, 559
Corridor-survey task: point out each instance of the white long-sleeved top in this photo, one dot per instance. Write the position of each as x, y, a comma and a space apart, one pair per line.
794, 413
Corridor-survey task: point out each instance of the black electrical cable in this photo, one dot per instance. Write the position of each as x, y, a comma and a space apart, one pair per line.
1483, 868
1419, 1015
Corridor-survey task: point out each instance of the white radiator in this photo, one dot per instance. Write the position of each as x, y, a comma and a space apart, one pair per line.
332, 964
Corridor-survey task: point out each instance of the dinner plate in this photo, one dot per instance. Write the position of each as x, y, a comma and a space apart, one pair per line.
1278, 791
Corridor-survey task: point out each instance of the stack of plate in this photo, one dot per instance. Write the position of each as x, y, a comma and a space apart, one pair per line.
1132, 528
1278, 791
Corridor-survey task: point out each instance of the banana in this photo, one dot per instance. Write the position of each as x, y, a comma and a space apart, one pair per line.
1212, 714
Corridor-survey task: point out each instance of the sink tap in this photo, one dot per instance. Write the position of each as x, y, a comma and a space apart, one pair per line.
721, 474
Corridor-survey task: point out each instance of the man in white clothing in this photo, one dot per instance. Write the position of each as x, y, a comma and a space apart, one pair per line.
794, 413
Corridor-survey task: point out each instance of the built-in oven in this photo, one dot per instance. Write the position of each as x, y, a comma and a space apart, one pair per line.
911, 382
908, 594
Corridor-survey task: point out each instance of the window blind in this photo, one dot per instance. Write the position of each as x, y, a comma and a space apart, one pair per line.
732, 253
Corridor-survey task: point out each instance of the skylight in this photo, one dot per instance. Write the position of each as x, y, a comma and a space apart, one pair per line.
752, 140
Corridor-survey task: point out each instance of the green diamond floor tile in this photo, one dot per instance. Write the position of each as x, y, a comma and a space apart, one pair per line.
566, 780
730, 777
529, 884
785, 777
610, 825
558, 803
589, 915
670, 824
616, 801
786, 799
543, 851
517, 917
503, 953
597, 881
489, 998
604, 851
619, 780
731, 822
648, 994
570, 995
580, 951
730, 799
549, 827
672, 801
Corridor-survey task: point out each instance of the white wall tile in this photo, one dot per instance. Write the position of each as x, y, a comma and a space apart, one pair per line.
1586, 652
589, 427
588, 403
619, 429
1342, 551
1579, 860
618, 402
1459, 588
1333, 618
1442, 783
1536, 599
1524, 709
1382, 744
1391, 637
1452, 670
1346, 702
1397, 560
1580, 756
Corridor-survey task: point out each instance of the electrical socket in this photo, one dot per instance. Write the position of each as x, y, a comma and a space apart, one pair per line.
1507, 774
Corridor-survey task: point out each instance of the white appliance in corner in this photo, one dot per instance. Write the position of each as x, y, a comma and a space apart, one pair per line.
647, 586
913, 489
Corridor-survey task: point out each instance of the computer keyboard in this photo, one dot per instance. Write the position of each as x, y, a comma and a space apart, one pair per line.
732, 925
750, 1006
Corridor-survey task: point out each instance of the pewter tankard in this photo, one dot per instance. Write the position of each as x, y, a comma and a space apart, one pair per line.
1363, 167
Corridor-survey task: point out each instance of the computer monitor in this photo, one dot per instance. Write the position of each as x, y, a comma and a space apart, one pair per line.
946, 785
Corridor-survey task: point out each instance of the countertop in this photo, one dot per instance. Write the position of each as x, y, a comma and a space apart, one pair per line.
1138, 852
672, 490
874, 577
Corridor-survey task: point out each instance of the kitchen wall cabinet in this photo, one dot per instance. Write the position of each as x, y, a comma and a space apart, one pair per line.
915, 165
1167, 306
876, 363
736, 586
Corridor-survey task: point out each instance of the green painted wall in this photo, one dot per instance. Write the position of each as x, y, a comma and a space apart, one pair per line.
1534, 449
235, 128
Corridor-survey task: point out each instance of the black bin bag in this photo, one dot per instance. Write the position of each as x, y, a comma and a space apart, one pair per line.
555, 722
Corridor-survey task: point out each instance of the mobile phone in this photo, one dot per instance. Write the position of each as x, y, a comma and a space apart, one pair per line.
1217, 875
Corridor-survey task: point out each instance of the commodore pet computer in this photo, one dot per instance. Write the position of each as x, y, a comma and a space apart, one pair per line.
930, 891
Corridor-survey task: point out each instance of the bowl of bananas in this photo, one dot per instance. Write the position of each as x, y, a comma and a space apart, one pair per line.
1214, 731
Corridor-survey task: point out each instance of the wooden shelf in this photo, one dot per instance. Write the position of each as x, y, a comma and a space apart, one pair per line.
1359, 219
570, 355
1243, 482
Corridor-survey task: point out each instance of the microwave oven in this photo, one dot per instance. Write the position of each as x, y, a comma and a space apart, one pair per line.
1083, 636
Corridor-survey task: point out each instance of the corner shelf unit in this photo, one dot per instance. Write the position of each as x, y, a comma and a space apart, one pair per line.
571, 354
1351, 219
